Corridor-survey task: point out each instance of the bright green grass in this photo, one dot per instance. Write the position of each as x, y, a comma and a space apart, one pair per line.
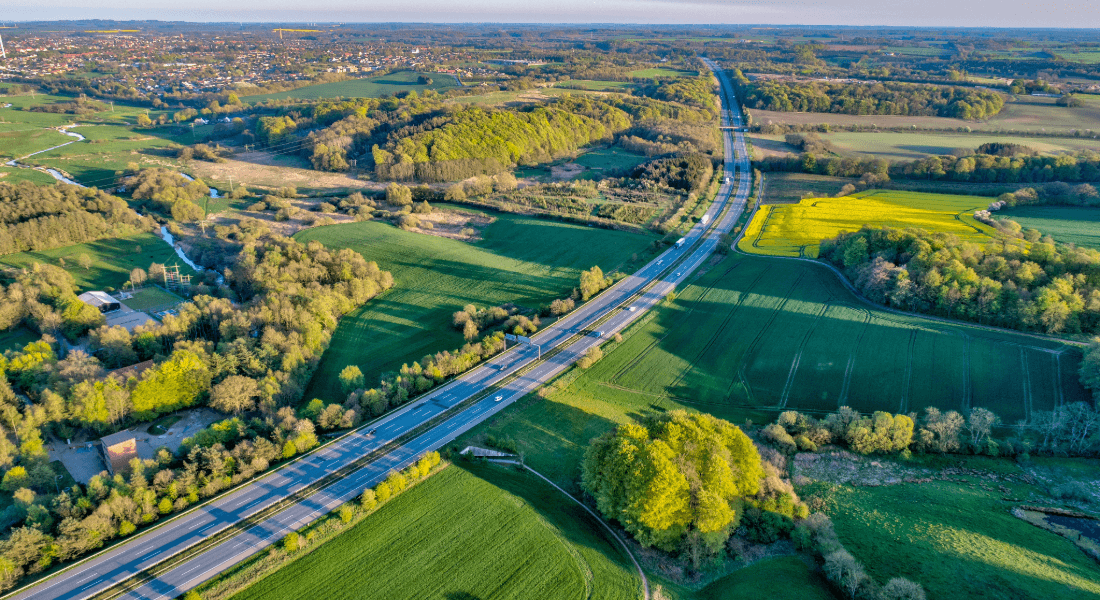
610, 158
111, 148
958, 541
368, 87
729, 344
466, 533
112, 259
601, 86
1066, 224
776, 578
16, 175
521, 260
18, 141
661, 72
151, 298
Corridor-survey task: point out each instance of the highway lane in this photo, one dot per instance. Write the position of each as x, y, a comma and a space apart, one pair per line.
127, 559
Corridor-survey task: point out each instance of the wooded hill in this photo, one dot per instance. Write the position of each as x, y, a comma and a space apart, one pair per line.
873, 99
43, 217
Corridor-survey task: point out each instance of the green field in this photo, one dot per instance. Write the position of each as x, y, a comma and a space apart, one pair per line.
468, 532
152, 299
16, 175
786, 577
755, 335
1066, 224
112, 259
599, 86
367, 87
661, 72
522, 260
959, 539
797, 229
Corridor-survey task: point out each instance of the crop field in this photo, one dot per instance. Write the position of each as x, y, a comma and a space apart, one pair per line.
467, 532
1020, 113
1066, 224
756, 335
790, 188
112, 259
797, 229
959, 539
908, 146
522, 260
367, 87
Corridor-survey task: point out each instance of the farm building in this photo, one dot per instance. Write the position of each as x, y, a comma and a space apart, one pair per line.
101, 300
118, 449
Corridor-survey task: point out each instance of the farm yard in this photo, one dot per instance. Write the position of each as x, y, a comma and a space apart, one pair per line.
797, 229
756, 335
367, 87
522, 260
477, 532
1066, 224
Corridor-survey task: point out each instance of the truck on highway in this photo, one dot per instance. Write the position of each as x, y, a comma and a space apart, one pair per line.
727, 179
680, 242
706, 218
598, 334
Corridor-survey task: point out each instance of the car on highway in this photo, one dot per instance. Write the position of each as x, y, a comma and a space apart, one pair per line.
677, 274
371, 432
498, 398
631, 308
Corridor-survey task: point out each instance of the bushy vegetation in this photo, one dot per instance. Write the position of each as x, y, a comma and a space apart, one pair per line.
1035, 285
679, 481
168, 193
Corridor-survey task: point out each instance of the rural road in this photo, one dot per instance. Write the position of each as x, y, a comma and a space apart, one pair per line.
507, 377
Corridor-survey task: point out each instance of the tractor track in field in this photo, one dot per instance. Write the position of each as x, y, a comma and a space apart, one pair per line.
904, 405
786, 394
968, 386
1029, 403
718, 331
846, 385
645, 351
751, 350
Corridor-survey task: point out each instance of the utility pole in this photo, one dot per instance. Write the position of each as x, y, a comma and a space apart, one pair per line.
3, 53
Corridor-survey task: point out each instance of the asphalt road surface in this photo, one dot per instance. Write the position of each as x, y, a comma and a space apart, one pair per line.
573, 335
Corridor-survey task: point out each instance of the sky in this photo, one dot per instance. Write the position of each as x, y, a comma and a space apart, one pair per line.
958, 13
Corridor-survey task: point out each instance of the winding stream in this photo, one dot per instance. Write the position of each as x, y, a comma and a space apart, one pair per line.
167, 237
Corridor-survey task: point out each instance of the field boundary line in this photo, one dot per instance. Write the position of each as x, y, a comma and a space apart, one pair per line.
936, 318
641, 573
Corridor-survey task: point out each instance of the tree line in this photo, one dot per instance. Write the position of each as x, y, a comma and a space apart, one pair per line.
977, 168
1031, 286
873, 99
44, 217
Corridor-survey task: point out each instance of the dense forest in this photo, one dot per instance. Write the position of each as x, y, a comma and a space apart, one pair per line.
43, 217
873, 99
1015, 283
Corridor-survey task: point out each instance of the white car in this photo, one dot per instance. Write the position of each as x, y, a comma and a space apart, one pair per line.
632, 308
498, 398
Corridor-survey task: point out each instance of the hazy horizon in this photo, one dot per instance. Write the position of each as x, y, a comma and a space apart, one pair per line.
1071, 14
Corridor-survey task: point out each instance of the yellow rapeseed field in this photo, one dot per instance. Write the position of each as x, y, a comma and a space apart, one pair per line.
797, 229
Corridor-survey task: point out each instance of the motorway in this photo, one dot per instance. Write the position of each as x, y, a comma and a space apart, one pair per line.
501, 381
